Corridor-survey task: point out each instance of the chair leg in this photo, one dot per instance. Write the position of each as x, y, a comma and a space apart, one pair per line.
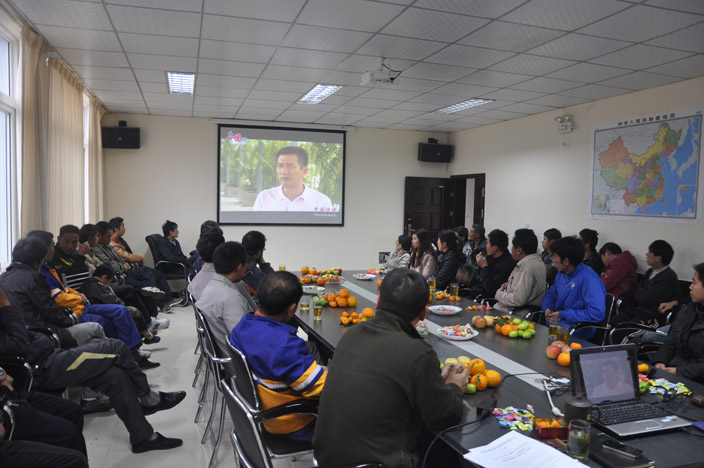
198, 369
213, 407
220, 428
202, 394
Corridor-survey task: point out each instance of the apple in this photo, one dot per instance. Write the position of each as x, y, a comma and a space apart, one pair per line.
478, 321
566, 349
489, 320
513, 334
559, 344
516, 321
527, 335
642, 386
522, 326
451, 360
552, 351
471, 389
464, 359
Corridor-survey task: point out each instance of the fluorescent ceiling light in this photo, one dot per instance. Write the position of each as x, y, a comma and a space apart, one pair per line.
181, 83
318, 93
460, 106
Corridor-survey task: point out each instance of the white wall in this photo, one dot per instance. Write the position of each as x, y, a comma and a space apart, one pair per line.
174, 174
533, 177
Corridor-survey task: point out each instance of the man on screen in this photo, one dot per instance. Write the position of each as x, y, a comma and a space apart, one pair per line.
292, 194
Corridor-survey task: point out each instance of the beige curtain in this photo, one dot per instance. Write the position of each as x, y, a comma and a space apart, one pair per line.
95, 162
64, 197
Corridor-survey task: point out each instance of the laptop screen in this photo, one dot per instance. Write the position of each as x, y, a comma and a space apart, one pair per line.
607, 374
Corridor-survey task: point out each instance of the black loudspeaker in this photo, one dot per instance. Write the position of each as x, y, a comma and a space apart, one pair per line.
120, 137
432, 152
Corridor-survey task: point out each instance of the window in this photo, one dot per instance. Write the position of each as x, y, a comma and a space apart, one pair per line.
6, 198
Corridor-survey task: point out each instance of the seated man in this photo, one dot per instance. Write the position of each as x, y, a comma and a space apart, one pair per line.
526, 285
578, 294
449, 259
222, 303
476, 243
549, 236
120, 245
620, 276
282, 364
257, 268
195, 258
88, 236
659, 285
105, 365
592, 259
401, 395
69, 255
496, 266
463, 240
170, 249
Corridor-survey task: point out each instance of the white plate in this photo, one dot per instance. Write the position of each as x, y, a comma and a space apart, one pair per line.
469, 336
309, 289
364, 276
445, 309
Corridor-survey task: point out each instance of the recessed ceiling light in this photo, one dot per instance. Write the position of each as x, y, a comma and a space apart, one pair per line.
460, 106
181, 83
318, 93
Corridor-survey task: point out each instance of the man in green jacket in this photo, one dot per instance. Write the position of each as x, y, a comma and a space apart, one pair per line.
385, 384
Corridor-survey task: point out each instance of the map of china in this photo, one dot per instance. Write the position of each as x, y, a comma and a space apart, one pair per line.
639, 174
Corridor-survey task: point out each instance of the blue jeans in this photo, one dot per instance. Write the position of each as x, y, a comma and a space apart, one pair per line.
658, 337
116, 321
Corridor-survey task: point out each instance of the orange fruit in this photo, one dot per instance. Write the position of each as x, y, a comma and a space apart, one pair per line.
430, 298
458, 299
531, 325
493, 378
355, 321
438, 296
354, 315
479, 381
577, 346
344, 293
555, 423
477, 366
351, 301
332, 303
643, 368
345, 320
312, 271
345, 314
452, 298
304, 270
321, 281
563, 359
506, 329
342, 302
497, 327
306, 279
378, 283
368, 312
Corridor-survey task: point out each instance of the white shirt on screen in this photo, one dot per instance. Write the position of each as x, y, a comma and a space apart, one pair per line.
274, 199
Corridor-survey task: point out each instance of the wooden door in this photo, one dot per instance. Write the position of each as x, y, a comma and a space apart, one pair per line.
427, 204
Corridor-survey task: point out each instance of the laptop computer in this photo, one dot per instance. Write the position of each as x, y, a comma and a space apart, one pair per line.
608, 377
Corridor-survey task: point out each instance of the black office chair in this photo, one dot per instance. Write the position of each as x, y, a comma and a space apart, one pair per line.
602, 328
76, 280
171, 271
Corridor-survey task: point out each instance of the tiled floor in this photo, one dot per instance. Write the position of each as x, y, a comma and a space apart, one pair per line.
107, 438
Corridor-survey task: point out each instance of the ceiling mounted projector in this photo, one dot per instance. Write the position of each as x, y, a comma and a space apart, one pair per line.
383, 75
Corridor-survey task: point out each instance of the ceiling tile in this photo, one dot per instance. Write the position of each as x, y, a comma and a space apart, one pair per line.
389, 94
416, 106
494, 79
74, 38
415, 84
690, 39
163, 62
309, 58
320, 107
449, 127
399, 47
114, 85
104, 73
65, 13
526, 108
93, 58
477, 120
218, 114
283, 85
318, 38
433, 25
471, 7
640, 23
500, 115
371, 124
182, 5
343, 78
406, 127
439, 100
437, 116
377, 119
466, 56
640, 56
556, 100
692, 6
351, 91
594, 91
227, 28
563, 14
218, 91
512, 95
372, 103
150, 21
124, 103
264, 104
546, 85
686, 68
363, 63
464, 90
356, 110
333, 118
108, 95
510, 36
532, 65
153, 87
275, 96
639, 80
154, 76
299, 116
159, 45
398, 114
272, 10
578, 47
225, 67
223, 81
280, 72
434, 71
236, 51
170, 112
219, 108
337, 99
174, 99
359, 15
218, 101
587, 73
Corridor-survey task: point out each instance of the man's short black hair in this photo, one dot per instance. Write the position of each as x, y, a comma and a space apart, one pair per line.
570, 248
449, 237
277, 291
29, 251
228, 256
253, 242
103, 227
116, 222
44, 236
300, 153
210, 225
207, 244
612, 247
499, 239
405, 242
479, 229
167, 227
552, 234
104, 270
591, 237
662, 249
404, 292
69, 229
699, 269
526, 240
462, 231
87, 231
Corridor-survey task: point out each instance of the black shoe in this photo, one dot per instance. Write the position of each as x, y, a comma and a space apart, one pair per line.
98, 405
167, 400
153, 340
145, 363
160, 443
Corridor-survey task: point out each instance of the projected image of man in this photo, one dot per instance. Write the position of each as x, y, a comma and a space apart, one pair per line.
612, 388
292, 194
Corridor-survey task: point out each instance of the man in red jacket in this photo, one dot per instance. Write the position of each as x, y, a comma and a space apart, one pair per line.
620, 277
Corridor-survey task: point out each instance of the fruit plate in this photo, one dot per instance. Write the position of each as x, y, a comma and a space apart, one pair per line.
310, 289
336, 280
470, 332
445, 309
364, 276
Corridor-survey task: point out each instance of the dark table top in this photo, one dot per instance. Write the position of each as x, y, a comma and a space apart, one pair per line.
509, 357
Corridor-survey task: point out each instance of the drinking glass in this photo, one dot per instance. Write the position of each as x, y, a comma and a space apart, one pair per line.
553, 323
563, 333
304, 305
578, 440
454, 289
431, 282
317, 311
282, 267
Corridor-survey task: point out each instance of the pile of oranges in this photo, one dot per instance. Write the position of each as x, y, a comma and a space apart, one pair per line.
354, 318
444, 295
341, 299
481, 377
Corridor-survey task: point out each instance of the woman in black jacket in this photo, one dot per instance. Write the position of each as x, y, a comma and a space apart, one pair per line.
449, 261
683, 350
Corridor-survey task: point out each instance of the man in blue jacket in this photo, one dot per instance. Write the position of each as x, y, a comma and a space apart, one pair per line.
578, 294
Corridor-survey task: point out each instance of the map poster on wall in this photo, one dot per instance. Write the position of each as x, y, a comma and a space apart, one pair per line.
648, 167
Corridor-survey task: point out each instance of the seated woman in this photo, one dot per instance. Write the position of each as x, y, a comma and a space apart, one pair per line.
424, 259
401, 257
683, 350
450, 259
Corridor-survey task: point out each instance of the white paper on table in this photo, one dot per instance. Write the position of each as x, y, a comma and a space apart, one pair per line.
514, 449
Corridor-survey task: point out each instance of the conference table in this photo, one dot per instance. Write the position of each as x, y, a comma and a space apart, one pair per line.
524, 360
